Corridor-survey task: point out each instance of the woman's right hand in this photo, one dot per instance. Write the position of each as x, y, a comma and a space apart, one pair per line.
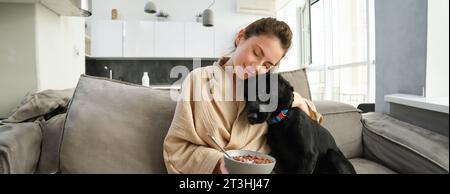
220, 167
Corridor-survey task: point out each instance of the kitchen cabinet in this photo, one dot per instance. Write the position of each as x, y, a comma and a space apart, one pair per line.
199, 40
107, 38
139, 39
169, 39
150, 39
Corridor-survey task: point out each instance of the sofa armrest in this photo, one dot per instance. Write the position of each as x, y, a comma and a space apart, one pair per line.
343, 121
403, 147
20, 146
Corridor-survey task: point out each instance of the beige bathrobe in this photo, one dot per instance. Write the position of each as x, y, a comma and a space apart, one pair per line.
187, 146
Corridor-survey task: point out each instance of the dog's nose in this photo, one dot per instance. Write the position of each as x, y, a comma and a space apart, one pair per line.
252, 117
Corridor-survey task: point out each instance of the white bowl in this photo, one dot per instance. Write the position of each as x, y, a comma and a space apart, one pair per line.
238, 167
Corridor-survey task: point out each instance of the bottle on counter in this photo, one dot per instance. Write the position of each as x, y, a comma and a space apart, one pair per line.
145, 80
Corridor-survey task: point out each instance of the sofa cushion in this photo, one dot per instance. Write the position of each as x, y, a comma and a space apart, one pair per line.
50, 146
404, 147
344, 123
20, 145
299, 81
115, 127
364, 166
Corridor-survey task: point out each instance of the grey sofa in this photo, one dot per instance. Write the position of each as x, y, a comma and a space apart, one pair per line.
116, 127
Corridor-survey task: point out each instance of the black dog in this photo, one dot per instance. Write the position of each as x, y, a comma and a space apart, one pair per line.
299, 144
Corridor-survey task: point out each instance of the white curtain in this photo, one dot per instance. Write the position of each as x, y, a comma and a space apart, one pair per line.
342, 51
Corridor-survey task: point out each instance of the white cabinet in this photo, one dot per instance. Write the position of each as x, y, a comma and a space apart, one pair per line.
146, 39
169, 39
199, 40
224, 36
139, 39
107, 38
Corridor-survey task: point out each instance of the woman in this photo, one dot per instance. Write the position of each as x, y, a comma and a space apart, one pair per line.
188, 147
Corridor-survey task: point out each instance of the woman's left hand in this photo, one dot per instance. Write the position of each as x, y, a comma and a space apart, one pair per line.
220, 167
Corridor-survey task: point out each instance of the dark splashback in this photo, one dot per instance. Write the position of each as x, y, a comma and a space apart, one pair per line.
132, 70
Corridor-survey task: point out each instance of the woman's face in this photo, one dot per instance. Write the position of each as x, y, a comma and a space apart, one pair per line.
256, 54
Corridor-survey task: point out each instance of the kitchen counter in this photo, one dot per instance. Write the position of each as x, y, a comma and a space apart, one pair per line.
166, 87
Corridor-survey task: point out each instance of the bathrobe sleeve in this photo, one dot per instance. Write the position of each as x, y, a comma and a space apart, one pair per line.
185, 148
316, 116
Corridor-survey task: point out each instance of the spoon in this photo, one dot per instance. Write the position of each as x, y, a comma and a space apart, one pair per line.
214, 140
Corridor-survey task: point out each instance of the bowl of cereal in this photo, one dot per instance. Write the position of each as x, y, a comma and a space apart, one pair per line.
248, 162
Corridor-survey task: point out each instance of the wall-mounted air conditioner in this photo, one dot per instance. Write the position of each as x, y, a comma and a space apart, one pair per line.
260, 7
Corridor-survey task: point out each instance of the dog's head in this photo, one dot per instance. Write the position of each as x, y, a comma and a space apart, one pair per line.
266, 96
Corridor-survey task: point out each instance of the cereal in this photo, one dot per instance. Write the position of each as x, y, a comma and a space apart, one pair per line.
252, 159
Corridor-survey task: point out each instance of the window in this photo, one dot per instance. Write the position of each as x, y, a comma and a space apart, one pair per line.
437, 77
342, 51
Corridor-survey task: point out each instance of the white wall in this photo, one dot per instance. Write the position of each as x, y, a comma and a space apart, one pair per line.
179, 10
185, 11
37, 52
17, 55
288, 11
60, 49
437, 77
225, 15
